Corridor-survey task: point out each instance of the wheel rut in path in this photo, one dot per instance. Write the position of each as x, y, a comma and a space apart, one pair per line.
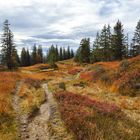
22, 119
47, 124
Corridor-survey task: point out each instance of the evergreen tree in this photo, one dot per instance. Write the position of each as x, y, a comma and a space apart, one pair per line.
39, 55
23, 57
83, 52
57, 53
118, 42
17, 58
127, 46
71, 54
104, 43
52, 56
28, 58
68, 53
9, 53
135, 47
109, 42
64, 54
61, 54
96, 54
34, 55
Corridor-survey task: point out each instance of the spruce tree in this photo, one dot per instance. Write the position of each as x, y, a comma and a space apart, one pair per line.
104, 43
135, 48
109, 42
28, 58
68, 53
71, 53
9, 53
60, 54
52, 56
23, 57
39, 54
83, 52
34, 55
96, 54
64, 54
57, 53
17, 58
118, 42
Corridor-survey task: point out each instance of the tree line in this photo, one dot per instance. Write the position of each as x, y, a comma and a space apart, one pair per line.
55, 55
109, 45
12, 60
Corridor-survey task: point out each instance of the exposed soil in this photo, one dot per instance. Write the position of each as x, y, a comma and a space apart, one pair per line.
43, 124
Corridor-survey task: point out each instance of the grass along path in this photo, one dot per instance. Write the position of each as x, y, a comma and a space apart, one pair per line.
46, 124
57, 129
22, 119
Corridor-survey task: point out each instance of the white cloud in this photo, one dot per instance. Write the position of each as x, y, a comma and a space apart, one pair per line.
69, 18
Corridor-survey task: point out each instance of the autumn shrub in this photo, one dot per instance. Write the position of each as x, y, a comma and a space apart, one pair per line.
62, 86
94, 120
127, 84
106, 79
74, 71
88, 76
80, 84
33, 82
8, 82
99, 69
124, 65
53, 66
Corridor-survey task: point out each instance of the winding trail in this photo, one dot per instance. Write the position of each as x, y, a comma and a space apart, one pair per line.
45, 125
38, 127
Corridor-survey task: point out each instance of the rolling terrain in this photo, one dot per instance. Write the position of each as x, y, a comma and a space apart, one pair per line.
99, 101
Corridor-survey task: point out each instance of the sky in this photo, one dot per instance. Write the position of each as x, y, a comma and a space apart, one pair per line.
65, 22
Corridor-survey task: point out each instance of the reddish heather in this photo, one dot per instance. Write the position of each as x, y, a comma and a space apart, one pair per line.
127, 82
80, 113
108, 65
137, 58
88, 76
78, 100
91, 76
74, 71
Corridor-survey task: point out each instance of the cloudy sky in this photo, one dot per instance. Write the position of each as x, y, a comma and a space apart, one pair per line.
65, 22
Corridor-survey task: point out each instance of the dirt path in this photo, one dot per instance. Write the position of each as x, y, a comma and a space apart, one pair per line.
38, 127
45, 125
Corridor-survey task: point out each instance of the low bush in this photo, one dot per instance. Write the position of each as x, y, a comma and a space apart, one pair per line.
124, 65
8, 127
74, 71
94, 120
80, 84
99, 69
53, 66
62, 86
106, 79
127, 84
33, 83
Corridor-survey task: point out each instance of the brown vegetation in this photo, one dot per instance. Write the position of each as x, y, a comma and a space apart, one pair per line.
91, 119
